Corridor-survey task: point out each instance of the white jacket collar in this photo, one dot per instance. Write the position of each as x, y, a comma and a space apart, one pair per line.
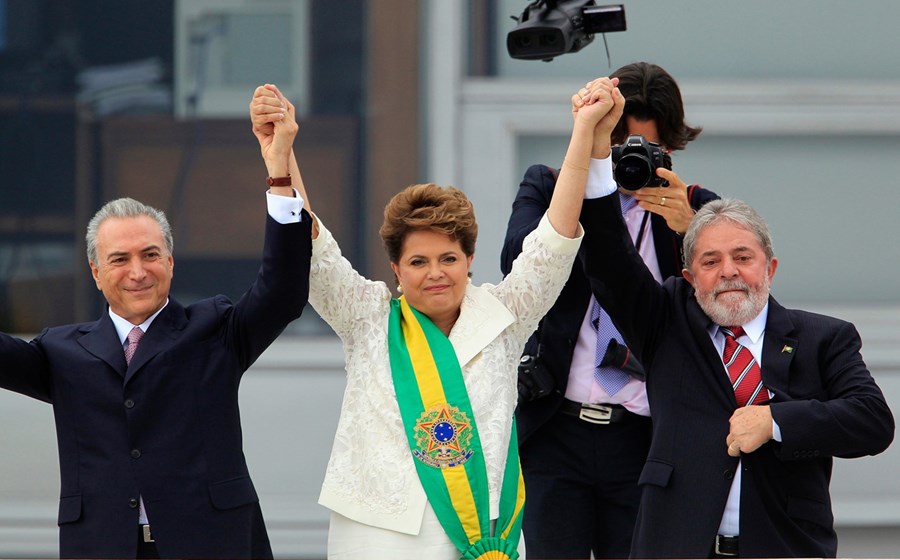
482, 317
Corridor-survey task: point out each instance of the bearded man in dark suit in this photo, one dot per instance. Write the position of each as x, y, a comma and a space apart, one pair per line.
724, 478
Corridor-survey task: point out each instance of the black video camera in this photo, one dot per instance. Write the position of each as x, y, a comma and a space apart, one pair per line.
549, 28
635, 163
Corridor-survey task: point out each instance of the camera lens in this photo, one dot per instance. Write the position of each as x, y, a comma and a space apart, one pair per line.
632, 171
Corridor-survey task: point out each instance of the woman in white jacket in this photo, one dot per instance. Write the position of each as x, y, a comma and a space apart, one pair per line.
425, 461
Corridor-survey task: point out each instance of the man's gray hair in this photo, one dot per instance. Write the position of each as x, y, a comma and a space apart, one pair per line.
727, 210
125, 208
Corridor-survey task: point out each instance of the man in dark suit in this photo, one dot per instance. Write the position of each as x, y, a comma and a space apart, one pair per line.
146, 397
728, 476
582, 448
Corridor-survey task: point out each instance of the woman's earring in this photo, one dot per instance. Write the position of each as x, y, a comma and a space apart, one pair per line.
399, 289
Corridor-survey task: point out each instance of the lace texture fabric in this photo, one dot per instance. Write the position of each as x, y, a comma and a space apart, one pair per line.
371, 476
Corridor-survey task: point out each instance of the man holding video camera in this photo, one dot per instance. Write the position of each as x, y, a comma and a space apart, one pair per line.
583, 417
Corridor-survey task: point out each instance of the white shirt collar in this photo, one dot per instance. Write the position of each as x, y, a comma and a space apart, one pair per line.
754, 328
123, 326
757, 326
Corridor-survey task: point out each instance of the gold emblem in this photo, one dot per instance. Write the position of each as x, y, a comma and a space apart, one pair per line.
443, 437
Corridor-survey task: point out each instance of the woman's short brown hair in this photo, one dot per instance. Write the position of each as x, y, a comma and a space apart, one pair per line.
431, 207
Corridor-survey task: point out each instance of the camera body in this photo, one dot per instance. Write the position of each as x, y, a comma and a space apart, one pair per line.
635, 163
534, 379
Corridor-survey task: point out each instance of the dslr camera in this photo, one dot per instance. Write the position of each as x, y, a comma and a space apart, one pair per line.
635, 163
534, 379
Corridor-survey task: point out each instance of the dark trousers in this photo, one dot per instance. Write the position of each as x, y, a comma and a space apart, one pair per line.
581, 486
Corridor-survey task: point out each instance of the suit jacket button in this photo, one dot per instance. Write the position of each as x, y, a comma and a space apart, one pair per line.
129, 403
135, 453
728, 474
132, 503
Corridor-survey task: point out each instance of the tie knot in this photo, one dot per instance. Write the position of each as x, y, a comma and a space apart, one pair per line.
135, 335
627, 201
733, 332
132, 343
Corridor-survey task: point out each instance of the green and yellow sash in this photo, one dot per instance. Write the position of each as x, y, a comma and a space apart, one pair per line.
440, 427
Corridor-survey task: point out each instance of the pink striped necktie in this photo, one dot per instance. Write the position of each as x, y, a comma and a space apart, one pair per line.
131, 343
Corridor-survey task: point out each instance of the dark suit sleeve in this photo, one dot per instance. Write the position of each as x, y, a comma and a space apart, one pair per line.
530, 205
23, 367
698, 196
280, 291
618, 277
845, 413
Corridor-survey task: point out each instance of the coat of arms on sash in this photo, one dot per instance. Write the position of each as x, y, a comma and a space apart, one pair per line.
443, 434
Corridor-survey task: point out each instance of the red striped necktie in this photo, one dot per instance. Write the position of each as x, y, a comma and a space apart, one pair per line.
742, 369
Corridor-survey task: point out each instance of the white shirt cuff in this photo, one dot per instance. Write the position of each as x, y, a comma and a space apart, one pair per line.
284, 209
600, 180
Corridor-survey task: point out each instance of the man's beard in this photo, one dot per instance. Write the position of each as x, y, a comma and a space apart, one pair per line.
734, 309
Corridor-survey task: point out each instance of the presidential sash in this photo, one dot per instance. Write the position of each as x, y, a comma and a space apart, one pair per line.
440, 427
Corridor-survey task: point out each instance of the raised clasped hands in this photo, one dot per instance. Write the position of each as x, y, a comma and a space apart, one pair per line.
601, 103
275, 126
596, 95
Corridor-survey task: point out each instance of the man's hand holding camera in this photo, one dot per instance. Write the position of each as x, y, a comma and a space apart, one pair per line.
669, 202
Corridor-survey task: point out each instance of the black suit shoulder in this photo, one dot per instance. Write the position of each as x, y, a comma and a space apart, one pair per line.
529, 206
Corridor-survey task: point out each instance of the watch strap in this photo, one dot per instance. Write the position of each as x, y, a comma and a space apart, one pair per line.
279, 181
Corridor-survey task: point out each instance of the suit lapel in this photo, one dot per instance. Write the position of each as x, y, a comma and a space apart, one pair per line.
101, 340
699, 323
778, 348
162, 334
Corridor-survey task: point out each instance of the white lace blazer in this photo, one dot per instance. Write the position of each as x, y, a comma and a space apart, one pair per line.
370, 476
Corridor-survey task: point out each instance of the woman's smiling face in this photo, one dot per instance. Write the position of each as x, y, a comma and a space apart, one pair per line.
433, 272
